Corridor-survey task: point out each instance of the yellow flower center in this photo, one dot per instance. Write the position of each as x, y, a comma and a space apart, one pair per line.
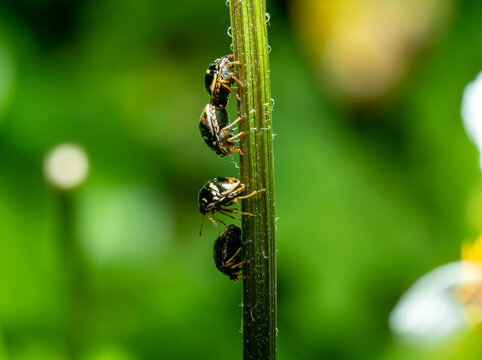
469, 293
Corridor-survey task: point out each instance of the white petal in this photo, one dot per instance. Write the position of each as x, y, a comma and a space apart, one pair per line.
428, 312
472, 112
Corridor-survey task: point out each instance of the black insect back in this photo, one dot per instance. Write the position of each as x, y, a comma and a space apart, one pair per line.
220, 192
227, 252
216, 130
219, 78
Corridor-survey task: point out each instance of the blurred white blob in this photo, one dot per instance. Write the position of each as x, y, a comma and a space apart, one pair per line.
428, 311
472, 112
66, 166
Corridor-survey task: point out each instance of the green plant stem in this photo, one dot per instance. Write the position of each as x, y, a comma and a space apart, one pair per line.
248, 22
74, 276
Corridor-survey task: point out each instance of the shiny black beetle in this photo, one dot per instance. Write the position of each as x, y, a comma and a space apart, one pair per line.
227, 252
219, 78
218, 193
216, 130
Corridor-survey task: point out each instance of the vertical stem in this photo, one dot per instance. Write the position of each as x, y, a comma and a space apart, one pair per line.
248, 22
73, 268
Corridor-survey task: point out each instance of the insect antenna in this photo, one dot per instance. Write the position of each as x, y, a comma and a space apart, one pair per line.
202, 224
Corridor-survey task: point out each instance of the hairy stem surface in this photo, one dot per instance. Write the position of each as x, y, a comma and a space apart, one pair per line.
249, 29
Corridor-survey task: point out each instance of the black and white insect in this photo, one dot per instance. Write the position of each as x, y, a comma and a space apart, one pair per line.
218, 193
216, 130
227, 252
219, 78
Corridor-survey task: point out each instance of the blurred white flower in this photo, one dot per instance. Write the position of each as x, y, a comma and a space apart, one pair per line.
443, 301
472, 112
66, 166
428, 311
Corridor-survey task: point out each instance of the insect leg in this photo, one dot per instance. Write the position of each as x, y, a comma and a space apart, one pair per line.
212, 218
234, 148
248, 196
236, 276
234, 266
221, 211
233, 123
232, 257
238, 212
230, 89
236, 136
232, 63
235, 79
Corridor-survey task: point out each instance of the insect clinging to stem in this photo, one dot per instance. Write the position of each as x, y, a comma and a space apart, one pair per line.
216, 130
219, 78
227, 252
220, 192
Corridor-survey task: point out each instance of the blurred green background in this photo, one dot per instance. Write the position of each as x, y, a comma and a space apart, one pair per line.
376, 180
